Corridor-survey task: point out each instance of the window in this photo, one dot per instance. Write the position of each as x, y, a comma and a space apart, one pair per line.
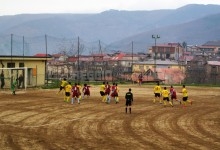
10, 65
21, 64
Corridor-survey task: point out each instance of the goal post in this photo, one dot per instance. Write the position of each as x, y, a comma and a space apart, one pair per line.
9, 75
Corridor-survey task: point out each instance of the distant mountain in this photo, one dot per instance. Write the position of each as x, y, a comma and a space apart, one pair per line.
196, 32
115, 29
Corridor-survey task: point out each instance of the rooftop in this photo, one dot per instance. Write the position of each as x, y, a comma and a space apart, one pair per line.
159, 62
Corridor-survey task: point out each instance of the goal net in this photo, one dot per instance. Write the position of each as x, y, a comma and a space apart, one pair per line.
9, 75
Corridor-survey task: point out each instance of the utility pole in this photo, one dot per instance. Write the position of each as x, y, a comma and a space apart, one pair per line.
100, 52
132, 56
23, 49
78, 67
11, 66
46, 59
155, 37
11, 48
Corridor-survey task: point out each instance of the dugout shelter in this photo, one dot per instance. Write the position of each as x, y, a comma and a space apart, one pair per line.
32, 68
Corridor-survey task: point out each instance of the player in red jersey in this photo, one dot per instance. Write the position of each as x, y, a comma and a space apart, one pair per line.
107, 92
173, 94
86, 91
80, 88
114, 92
140, 79
75, 93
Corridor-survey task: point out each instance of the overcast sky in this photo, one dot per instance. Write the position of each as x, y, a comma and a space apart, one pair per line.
12, 7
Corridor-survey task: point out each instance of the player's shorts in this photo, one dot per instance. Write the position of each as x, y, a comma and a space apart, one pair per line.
157, 94
166, 99
114, 94
185, 98
67, 93
128, 102
107, 92
102, 93
87, 93
61, 87
173, 97
75, 94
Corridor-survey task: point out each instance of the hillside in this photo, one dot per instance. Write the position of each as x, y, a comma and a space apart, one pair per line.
115, 29
195, 32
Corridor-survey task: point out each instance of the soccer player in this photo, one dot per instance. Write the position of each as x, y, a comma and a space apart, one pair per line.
13, 86
165, 94
114, 92
75, 93
67, 89
20, 81
80, 88
62, 85
129, 100
140, 79
113, 89
86, 90
107, 92
116, 95
102, 92
157, 93
185, 96
173, 94
2, 76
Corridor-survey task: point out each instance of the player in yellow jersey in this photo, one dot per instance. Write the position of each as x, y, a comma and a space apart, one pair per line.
62, 85
157, 93
165, 94
185, 96
102, 92
67, 89
116, 95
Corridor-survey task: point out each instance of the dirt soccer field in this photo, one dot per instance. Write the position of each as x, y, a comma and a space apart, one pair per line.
40, 120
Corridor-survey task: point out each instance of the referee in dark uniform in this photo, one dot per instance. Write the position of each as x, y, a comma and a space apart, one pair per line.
129, 100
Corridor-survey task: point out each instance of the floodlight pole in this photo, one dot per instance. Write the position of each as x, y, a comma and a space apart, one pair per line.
11, 49
78, 67
23, 48
46, 68
155, 37
132, 56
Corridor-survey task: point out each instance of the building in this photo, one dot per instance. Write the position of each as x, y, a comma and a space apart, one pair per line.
212, 72
166, 71
32, 68
215, 45
167, 51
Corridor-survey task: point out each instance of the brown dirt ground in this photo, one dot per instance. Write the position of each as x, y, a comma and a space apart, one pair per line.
38, 119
